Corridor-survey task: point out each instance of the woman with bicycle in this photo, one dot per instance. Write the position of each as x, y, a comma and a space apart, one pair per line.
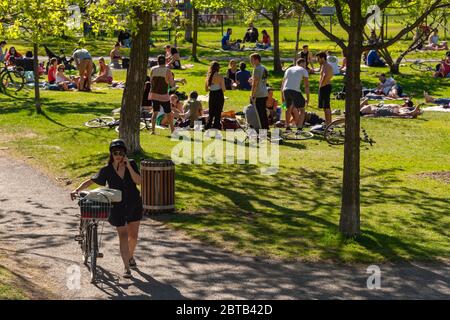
122, 174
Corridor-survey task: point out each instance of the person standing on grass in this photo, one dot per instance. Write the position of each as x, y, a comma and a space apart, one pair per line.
326, 74
307, 55
292, 94
161, 81
215, 84
259, 89
122, 174
84, 64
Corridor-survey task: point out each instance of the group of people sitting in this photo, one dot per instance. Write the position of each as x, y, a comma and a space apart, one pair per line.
251, 36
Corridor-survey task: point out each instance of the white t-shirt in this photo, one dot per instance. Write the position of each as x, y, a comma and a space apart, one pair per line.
387, 85
293, 78
334, 62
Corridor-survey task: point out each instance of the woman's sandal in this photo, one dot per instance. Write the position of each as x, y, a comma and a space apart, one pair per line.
133, 264
127, 274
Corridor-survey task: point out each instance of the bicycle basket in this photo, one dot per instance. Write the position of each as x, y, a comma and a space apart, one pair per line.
94, 209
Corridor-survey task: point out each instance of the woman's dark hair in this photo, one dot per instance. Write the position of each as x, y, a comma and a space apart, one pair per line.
242, 66
29, 54
193, 95
173, 51
213, 69
117, 44
12, 49
264, 32
409, 103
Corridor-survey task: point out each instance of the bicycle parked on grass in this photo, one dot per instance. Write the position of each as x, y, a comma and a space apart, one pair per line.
92, 214
335, 133
422, 66
12, 79
111, 122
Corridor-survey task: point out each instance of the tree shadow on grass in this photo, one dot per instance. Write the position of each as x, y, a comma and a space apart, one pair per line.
243, 208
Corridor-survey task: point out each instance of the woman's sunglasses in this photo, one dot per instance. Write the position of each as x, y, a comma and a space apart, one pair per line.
118, 153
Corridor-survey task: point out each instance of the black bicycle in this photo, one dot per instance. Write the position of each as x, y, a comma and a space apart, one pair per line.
12, 79
335, 133
92, 214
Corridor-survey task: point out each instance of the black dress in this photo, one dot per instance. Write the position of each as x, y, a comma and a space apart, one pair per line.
130, 208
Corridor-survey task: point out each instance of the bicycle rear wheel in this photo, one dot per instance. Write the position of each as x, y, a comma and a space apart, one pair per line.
335, 132
13, 81
93, 253
101, 122
142, 126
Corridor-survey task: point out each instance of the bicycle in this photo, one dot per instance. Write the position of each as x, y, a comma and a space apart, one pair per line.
296, 135
12, 79
335, 133
422, 66
92, 213
111, 122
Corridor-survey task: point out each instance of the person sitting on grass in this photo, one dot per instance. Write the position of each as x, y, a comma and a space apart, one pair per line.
434, 44
388, 87
252, 34
307, 55
444, 68
272, 107
242, 77
333, 61
227, 44
65, 82
407, 110
105, 73
11, 55
445, 102
265, 41
174, 61
193, 108
230, 79
115, 56
177, 111
51, 75
374, 60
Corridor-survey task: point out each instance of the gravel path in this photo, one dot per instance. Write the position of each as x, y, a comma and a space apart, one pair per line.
37, 226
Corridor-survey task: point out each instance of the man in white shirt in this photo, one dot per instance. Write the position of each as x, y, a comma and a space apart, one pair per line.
333, 61
386, 84
292, 95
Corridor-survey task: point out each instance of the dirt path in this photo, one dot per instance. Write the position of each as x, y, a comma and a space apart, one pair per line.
37, 226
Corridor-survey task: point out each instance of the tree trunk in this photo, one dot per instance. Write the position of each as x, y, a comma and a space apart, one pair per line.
297, 39
195, 35
349, 223
134, 89
188, 32
37, 94
277, 66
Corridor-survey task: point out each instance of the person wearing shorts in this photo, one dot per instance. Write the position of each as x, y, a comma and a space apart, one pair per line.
121, 174
292, 95
161, 79
326, 74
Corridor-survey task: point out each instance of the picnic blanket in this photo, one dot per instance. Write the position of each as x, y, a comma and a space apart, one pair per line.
437, 109
373, 96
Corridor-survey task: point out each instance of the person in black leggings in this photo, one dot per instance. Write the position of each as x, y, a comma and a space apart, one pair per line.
215, 84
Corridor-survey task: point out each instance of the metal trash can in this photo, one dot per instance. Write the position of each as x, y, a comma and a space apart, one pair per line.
158, 185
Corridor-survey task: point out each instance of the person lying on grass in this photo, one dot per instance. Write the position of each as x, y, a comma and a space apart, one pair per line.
443, 69
445, 102
407, 110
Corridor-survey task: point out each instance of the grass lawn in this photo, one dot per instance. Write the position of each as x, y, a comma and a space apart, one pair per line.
8, 290
292, 215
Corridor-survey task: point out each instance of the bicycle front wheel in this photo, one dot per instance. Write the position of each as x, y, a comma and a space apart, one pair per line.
101, 122
93, 253
335, 132
13, 81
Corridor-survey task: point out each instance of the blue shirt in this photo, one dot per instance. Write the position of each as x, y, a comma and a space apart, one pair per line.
225, 39
372, 58
243, 77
